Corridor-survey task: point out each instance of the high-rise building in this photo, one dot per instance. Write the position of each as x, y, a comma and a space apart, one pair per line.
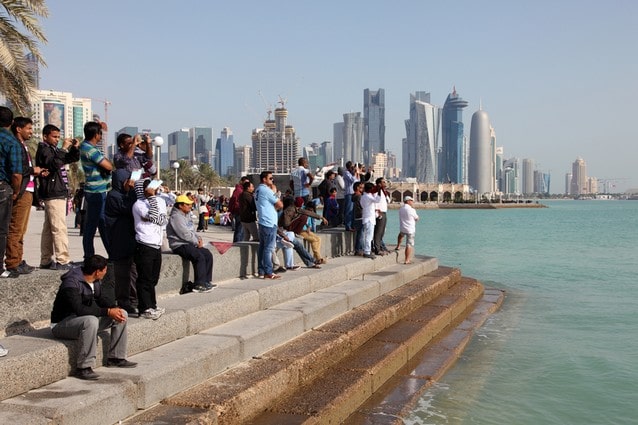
481, 168
81, 115
61, 109
511, 177
380, 164
373, 123
33, 69
541, 182
337, 143
579, 177
179, 146
452, 164
326, 151
201, 145
352, 137
243, 155
276, 146
498, 167
568, 183
528, 176
225, 153
422, 138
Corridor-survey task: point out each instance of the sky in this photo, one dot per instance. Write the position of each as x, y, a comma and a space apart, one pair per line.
558, 79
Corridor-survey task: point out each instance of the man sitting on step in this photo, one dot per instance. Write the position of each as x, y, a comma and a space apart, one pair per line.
81, 310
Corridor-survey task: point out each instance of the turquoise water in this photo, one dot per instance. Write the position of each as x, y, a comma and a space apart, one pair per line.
564, 347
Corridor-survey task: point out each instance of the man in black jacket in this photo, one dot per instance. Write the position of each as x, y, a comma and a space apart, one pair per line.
54, 191
80, 311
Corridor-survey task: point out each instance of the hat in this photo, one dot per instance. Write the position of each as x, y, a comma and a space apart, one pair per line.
407, 198
183, 199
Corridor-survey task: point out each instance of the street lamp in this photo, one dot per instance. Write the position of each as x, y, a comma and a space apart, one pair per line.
175, 166
180, 184
157, 142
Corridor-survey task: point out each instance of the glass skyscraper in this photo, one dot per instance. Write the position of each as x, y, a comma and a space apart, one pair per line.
225, 151
452, 162
373, 123
422, 137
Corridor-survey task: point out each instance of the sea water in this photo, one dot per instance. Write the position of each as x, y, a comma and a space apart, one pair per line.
563, 349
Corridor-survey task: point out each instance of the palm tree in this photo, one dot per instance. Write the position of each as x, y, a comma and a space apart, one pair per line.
15, 82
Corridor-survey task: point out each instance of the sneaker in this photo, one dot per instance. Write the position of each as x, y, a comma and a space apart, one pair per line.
120, 363
50, 266
186, 288
162, 310
294, 268
67, 266
281, 269
370, 256
3, 351
23, 268
86, 374
9, 274
152, 313
210, 285
202, 287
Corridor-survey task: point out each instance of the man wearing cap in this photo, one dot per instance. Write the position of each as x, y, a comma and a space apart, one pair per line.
184, 242
407, 227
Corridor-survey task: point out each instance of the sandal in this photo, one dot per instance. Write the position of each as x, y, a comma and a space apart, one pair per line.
272, 276
315, 266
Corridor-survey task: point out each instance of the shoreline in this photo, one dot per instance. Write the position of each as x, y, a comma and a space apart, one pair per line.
453, 206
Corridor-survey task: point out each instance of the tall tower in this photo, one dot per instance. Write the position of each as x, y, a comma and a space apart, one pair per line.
276, 146
353, 137
337, 142
225, 153
373, 123
480, 167
422, 136
579, 177
528, 176
452, 159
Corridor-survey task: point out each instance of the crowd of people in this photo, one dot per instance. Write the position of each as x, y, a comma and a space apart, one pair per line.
132, 212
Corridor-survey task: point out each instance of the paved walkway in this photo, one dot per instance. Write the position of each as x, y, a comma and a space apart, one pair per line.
36, 219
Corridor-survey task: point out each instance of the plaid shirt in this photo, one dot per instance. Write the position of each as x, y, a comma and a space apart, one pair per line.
10, 155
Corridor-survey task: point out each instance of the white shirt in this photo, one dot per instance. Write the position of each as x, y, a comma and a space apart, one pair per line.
369, 203
383, 202
147, 232
407, 219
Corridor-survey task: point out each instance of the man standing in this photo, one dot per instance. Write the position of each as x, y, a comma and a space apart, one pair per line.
80, 311
97, 172
22, 129
300, 180
235, 210
10, 181
407, 227
381, 221
248, 212
369, 205
54, 191
184, 242
350, 176
267, 205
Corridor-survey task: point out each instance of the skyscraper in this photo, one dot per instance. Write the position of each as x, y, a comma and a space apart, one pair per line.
179, 146
511, 177
201, 145
352, 137
579, 177
276, 146
481, 169
373, 123
452, 165
337, 142
422, 136
225, 153
528, 176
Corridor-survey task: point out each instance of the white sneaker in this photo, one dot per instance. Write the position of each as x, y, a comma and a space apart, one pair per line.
3, 351
152, 314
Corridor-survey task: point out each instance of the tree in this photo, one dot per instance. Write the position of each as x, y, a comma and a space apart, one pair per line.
16, 83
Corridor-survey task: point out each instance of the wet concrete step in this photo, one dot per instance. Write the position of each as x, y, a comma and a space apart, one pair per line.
251, 388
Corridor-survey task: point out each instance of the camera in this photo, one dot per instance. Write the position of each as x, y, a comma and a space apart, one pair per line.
145, 138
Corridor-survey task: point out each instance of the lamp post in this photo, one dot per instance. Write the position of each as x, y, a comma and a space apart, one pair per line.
175, 166
157, 142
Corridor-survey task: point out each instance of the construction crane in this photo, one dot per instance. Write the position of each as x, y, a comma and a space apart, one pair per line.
610, 183
268, 106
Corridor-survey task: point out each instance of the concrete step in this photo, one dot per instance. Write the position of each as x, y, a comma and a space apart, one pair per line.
200, 336
251, 388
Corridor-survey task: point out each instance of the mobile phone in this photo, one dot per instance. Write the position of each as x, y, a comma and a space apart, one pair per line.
136, 175
154, 184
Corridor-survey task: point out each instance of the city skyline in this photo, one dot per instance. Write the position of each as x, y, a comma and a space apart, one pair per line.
536, 68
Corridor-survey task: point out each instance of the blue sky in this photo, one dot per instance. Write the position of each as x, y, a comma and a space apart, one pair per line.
557, 78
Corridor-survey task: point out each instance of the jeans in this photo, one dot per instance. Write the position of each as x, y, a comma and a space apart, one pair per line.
348, 212
94, 221
238, 234
85, 329
201, 259
358, 236
148, 261
267, 243
307, 259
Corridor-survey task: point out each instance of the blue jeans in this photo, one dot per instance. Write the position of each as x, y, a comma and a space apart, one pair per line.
267, 243
348, 213
238, 234
93, 221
